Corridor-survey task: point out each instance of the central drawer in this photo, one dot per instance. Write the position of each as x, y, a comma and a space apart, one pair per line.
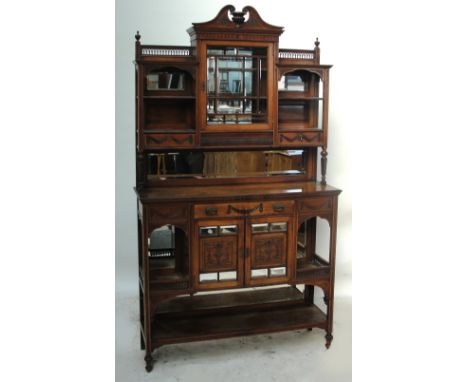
243, 209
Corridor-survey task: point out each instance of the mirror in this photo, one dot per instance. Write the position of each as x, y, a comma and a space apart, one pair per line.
169, 80
292, 83
206, 165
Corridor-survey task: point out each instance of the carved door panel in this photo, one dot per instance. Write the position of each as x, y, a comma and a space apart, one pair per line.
269, 250
219, 254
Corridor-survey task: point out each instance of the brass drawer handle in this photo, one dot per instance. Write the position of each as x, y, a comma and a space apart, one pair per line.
278, 207
244, 211
299, 137
211, 211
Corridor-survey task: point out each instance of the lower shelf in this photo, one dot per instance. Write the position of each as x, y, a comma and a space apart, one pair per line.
226, 322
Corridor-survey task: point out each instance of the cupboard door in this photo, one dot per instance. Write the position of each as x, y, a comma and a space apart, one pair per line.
269, 250
237, 86
219, 254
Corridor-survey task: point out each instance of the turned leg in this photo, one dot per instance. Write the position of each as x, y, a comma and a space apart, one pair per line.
149, 362
329, 339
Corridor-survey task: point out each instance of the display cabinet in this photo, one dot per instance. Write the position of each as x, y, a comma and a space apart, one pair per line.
231, 134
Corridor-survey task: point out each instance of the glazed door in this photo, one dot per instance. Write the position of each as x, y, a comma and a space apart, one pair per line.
237, 90
219, 254
269, 250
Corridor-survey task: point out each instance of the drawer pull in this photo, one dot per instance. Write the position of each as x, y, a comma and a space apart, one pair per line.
211, 211
299, 137
165, 138
245, 211
278, 207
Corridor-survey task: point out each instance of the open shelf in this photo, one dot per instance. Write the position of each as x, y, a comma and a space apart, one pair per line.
237, 314
312, 268
228, 301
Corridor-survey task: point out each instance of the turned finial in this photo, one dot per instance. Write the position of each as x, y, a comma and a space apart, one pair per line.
137, 36
317, 42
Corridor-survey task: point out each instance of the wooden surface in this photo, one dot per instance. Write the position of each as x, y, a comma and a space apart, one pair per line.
241, 191
171, 330
240, 300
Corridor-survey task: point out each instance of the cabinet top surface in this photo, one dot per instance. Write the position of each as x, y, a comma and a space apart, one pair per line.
241, 191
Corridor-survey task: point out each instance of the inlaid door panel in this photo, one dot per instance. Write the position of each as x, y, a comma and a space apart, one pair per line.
269, 250
218, 260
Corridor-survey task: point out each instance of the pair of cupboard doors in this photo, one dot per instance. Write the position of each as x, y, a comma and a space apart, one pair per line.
243, 244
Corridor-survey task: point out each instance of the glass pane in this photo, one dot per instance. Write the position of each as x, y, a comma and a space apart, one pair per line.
232, 275
292, 83
260, 227
230, 63
234, 106
165, 81
280, 226
209, 231
211, 80
277, 271
302, 241
259, 273
230, 82
208, 277
184, 164
248, 84
228, 230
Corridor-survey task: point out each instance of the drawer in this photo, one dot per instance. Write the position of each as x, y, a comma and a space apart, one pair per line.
167, 213
314, 204
154, 141
309, 138
282, 207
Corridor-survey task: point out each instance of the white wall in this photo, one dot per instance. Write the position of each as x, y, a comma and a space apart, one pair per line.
166, 22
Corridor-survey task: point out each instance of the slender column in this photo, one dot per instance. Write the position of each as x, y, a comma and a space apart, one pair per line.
323, 163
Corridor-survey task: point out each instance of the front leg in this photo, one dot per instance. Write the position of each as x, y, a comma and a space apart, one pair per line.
329, 339
149, 361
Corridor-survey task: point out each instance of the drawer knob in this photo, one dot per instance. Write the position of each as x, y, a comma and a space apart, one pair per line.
211, 211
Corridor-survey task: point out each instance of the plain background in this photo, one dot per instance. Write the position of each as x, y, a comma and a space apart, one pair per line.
405, 114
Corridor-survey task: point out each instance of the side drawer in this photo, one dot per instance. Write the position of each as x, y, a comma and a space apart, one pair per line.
314, 204
167, 213
281, 207
310, 138
154, 141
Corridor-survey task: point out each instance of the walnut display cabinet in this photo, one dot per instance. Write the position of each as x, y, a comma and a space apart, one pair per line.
229, 134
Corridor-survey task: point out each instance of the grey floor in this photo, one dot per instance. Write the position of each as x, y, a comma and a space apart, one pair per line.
290, 356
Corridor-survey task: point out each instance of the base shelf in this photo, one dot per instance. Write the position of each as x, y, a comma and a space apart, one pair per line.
234, 314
